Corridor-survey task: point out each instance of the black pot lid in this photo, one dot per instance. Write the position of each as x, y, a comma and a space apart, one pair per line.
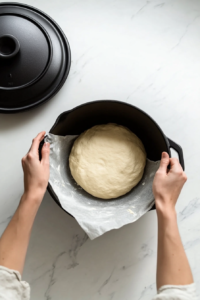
34, 57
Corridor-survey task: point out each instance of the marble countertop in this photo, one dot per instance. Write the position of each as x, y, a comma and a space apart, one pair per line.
146, 53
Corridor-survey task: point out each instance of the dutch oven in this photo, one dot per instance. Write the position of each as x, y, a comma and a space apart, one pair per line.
85, 116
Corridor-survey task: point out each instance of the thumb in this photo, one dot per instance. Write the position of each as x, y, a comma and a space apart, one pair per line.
45, 153
164, 162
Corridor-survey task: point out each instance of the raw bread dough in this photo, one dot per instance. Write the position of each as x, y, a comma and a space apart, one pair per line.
107, 161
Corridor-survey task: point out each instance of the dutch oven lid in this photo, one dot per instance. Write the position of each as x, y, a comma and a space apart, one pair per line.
34, 57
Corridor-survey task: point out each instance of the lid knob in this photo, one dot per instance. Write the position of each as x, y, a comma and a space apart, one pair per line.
9, 46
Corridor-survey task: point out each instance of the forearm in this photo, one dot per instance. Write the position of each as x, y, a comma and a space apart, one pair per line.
172, 264
15, 239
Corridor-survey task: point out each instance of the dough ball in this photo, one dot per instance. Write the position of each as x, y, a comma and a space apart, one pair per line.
107, 161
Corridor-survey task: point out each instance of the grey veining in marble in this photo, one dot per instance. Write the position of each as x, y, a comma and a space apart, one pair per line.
142, 52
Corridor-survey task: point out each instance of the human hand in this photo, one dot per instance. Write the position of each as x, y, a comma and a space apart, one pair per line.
36, 172
167, 184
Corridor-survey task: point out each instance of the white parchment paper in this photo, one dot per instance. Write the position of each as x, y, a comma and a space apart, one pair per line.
96, 216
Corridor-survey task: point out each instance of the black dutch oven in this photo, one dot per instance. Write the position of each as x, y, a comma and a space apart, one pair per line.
83, 117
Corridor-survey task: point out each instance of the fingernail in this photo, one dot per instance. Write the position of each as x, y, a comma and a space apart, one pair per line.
47, 145
164, 155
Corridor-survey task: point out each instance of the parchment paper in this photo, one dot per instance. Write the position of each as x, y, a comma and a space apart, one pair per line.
96, 216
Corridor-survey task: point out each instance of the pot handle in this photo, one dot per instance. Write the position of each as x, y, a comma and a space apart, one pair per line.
40, 148
179, 150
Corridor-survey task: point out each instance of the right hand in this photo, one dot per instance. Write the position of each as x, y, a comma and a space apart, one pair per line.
168, 184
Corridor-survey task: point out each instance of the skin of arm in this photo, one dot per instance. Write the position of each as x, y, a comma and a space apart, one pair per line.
172, 264
15, 239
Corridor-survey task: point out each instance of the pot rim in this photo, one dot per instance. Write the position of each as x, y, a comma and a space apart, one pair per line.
49, 187
114, 101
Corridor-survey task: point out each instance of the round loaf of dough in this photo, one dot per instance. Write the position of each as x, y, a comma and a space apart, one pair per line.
107, 161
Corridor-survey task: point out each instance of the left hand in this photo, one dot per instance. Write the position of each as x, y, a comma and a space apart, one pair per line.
36, 172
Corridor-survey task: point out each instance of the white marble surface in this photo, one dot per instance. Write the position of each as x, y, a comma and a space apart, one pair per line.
142, 52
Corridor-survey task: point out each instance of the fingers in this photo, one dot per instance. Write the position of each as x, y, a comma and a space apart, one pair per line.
184, 176
177, 169
164, 162
45, 153
36, 142
23, 161
175, 165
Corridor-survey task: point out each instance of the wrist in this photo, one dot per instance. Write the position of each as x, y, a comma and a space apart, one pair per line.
33, 197
165, 210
